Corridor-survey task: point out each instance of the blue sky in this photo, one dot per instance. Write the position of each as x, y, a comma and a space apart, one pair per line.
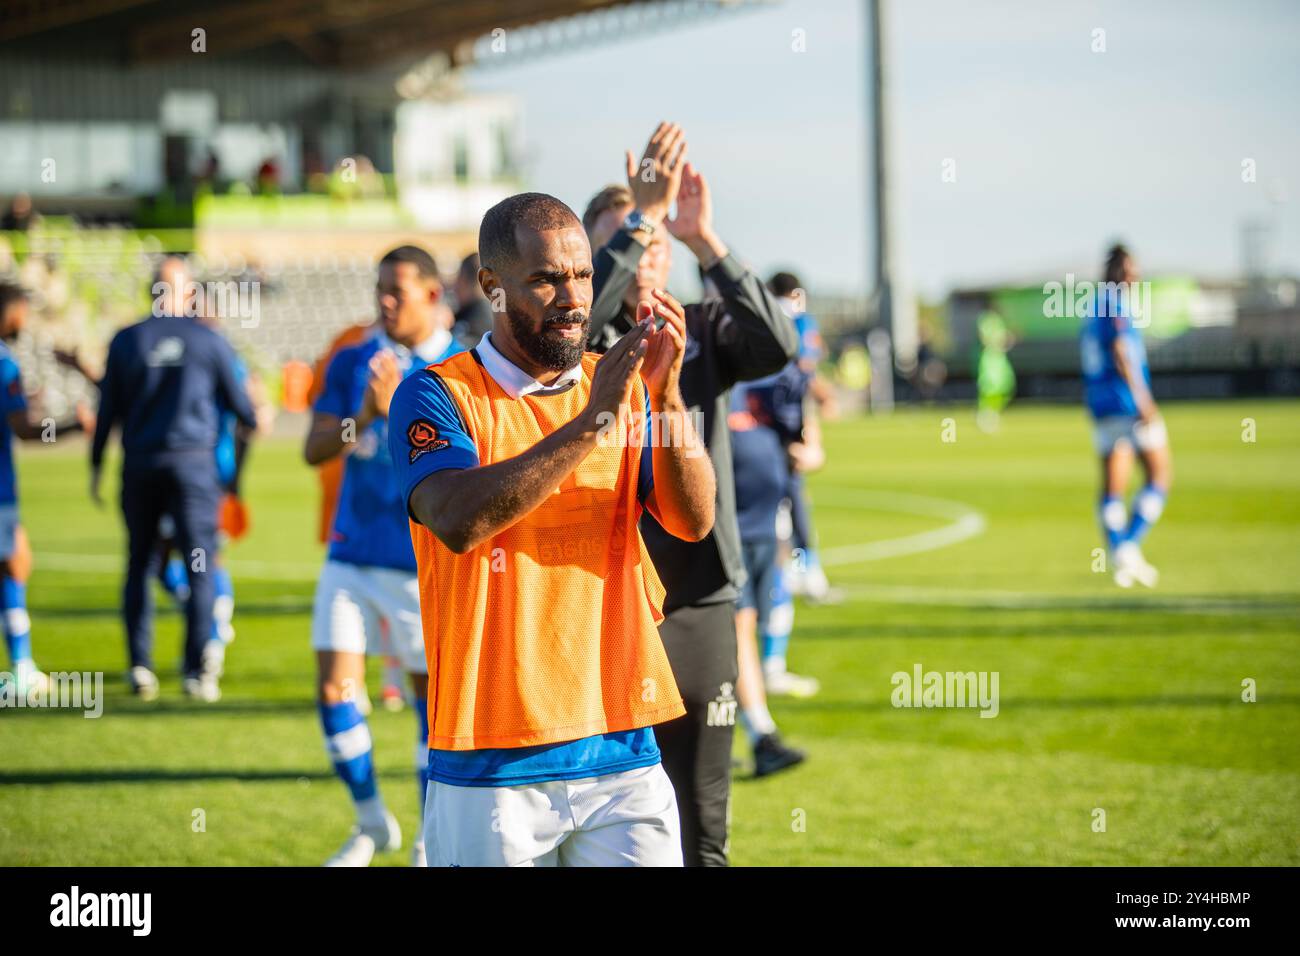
1057, 149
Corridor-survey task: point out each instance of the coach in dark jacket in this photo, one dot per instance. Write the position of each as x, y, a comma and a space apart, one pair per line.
164, 378
740, 335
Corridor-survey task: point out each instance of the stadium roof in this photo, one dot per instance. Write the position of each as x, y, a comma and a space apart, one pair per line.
335, 34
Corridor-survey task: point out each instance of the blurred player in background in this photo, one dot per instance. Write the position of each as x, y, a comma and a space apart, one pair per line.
762, 479
233, 442
1126, 420
995, 379
15, 552
369, 572
799, 399
473, 311
330, 472
330, 475
738, 333
540, 601
165, 382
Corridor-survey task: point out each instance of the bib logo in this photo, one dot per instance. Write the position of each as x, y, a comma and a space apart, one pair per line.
134, 910
423, 438
722, 709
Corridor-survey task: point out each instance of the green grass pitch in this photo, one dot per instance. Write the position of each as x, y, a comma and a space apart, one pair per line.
1127, 702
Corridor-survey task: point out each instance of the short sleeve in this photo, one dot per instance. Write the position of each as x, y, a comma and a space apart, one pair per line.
811, 347
426, 432
334, 398
645, 481
12, 396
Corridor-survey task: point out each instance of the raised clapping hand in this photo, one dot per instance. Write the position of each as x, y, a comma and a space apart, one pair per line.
656, 180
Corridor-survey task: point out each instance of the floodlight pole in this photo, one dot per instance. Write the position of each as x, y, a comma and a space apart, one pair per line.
895, 331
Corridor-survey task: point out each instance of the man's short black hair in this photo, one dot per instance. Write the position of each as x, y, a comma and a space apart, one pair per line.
9, 293
416, 256
783, 284
496, 236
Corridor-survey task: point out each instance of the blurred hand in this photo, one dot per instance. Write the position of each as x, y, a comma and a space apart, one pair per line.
85, 417
693, 224
694, 217
807, 458
1147, 410
656, 179
262, 406
385, 376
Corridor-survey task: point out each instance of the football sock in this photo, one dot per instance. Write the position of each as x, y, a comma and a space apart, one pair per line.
18, 626
175, 580
780, 622
1112, 517
223, 607
1147, 508
758, 722
347, 739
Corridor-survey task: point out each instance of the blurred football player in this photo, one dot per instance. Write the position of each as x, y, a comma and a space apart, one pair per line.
369, 572
1127, 422
762, 478
995, 378
15, 553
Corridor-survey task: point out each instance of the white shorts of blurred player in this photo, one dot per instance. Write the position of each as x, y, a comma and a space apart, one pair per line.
1128, 429
351, 602
619, 819
8, 531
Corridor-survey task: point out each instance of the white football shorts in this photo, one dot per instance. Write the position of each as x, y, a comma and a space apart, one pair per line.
619, 819
352, 600
1114, 429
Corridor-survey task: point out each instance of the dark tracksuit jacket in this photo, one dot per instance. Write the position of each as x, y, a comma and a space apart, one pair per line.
162, 383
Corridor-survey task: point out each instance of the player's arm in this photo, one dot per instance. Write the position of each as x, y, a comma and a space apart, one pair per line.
328, 437
684, 483
13, 402
25, 429
230, 391
465, 506
1146, 405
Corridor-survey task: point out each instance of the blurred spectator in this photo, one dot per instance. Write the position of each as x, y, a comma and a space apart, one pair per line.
268, 177
473, 311
21, 215
931, 372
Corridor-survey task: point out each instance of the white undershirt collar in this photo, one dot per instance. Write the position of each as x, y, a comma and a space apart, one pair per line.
430, 350
513, 380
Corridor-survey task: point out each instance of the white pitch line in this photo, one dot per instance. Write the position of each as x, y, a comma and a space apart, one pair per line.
966, 523
1267, 603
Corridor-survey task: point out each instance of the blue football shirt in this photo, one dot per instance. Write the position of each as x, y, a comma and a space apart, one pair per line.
12, 399
1106, 393
370, 526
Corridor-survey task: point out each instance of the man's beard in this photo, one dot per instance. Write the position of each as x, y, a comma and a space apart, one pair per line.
548, 350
